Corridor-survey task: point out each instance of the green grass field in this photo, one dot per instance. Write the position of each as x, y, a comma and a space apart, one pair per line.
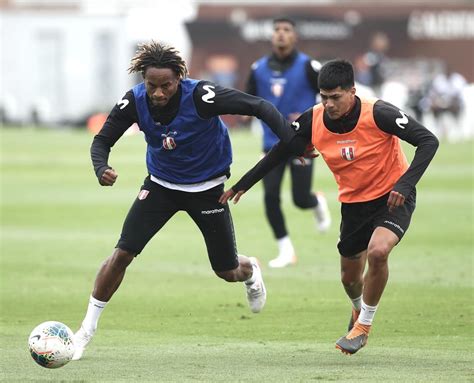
172, 320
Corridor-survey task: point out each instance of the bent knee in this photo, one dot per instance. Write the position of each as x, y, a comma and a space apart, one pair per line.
304, 199
350, 280
302, 203
228, 276
121, 258
378, 254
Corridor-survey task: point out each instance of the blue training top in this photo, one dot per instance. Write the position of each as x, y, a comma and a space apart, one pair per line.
188, 150
289, 91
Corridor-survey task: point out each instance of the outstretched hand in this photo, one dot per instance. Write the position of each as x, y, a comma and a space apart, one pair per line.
230, 195
395, 199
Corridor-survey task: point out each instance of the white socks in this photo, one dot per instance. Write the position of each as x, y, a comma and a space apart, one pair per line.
285, 246
91, 319
252, 278
367, 314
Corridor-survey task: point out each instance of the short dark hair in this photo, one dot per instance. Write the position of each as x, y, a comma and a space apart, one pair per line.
284, 19
157, 55
336, 73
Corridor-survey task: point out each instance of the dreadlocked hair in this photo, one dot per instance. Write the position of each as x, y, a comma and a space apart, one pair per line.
156, 55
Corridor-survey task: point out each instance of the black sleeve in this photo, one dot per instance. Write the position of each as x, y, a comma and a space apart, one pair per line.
251, 85
276, 155
280, 152
213, 100
122, 116
312, 73
303, 127
394, 121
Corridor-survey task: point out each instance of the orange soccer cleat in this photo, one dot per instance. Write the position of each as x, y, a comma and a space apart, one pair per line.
355, 339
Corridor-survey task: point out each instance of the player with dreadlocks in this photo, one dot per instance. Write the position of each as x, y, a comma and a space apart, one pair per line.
188, 160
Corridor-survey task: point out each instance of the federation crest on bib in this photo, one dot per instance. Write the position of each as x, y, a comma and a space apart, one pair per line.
169, 143
277, 89
277, 86
348, 153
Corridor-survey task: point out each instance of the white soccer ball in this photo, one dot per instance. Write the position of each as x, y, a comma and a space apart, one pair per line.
51, 344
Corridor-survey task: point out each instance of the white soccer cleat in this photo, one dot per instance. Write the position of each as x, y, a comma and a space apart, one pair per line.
321, 211
284, 259
256, 292
81, 340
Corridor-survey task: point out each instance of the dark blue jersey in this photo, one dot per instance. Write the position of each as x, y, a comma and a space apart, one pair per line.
289, 90
189, 149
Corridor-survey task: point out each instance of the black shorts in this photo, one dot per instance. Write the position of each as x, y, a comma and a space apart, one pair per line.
359, 220
155, 205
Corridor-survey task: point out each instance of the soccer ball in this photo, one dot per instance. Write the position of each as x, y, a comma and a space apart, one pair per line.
51, 344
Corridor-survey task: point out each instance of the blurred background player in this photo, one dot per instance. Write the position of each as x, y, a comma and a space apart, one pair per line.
288, 79
445, 98
360, 141
375, 61
188, 160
